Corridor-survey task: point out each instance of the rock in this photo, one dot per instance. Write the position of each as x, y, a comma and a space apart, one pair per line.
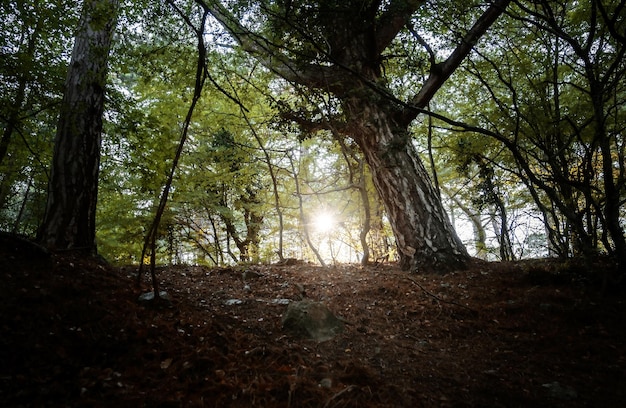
326, 383
311, 320
561, 392
250, 274
290, 262
148, 296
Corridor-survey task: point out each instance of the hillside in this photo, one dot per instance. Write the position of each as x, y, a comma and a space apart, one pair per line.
533, 333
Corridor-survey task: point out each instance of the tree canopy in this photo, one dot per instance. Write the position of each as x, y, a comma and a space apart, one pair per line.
355, 131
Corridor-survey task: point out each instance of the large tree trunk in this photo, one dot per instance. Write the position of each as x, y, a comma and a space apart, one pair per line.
69, 221
425, 237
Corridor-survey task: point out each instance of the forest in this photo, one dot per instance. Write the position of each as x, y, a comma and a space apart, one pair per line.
514, 145
447, 176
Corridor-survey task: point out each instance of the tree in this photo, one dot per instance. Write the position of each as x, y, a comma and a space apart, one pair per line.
236, 193
340, 49
547, 113
33, 66
69, 221
597, 56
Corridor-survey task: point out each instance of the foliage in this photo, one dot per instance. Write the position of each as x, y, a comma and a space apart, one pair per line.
527, 140
35, 50
527, 103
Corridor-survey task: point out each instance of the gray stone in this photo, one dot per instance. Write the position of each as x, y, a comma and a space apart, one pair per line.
312, 320
148, 296
561, 392
326, 383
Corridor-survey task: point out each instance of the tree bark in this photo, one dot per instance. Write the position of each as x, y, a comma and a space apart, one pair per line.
69, 220
425, 237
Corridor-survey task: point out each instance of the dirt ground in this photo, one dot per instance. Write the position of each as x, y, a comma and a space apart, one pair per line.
529, 334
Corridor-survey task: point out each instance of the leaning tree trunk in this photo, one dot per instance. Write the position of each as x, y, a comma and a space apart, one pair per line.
69, 221
425, 237
356, 37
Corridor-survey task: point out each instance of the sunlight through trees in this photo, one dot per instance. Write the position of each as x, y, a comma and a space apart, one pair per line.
412, 133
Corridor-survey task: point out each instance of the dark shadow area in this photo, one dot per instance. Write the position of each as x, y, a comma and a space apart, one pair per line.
537, 333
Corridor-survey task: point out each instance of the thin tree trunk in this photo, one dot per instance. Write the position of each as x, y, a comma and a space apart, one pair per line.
480, 235
305, 228
612, 206
431, 157
18, 219
506, 246
219, 254
367, 214
361, 186
274, 178
70, 217
197, 92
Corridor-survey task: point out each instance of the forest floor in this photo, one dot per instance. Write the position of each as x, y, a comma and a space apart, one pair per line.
528, 334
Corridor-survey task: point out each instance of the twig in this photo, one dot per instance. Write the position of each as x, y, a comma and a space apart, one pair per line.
438, 299
347, 389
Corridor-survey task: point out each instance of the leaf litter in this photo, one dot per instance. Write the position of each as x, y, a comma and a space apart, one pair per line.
74, 333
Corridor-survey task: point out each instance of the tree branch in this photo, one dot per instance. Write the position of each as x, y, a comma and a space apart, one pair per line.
442, 71
270, 55
393, 19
